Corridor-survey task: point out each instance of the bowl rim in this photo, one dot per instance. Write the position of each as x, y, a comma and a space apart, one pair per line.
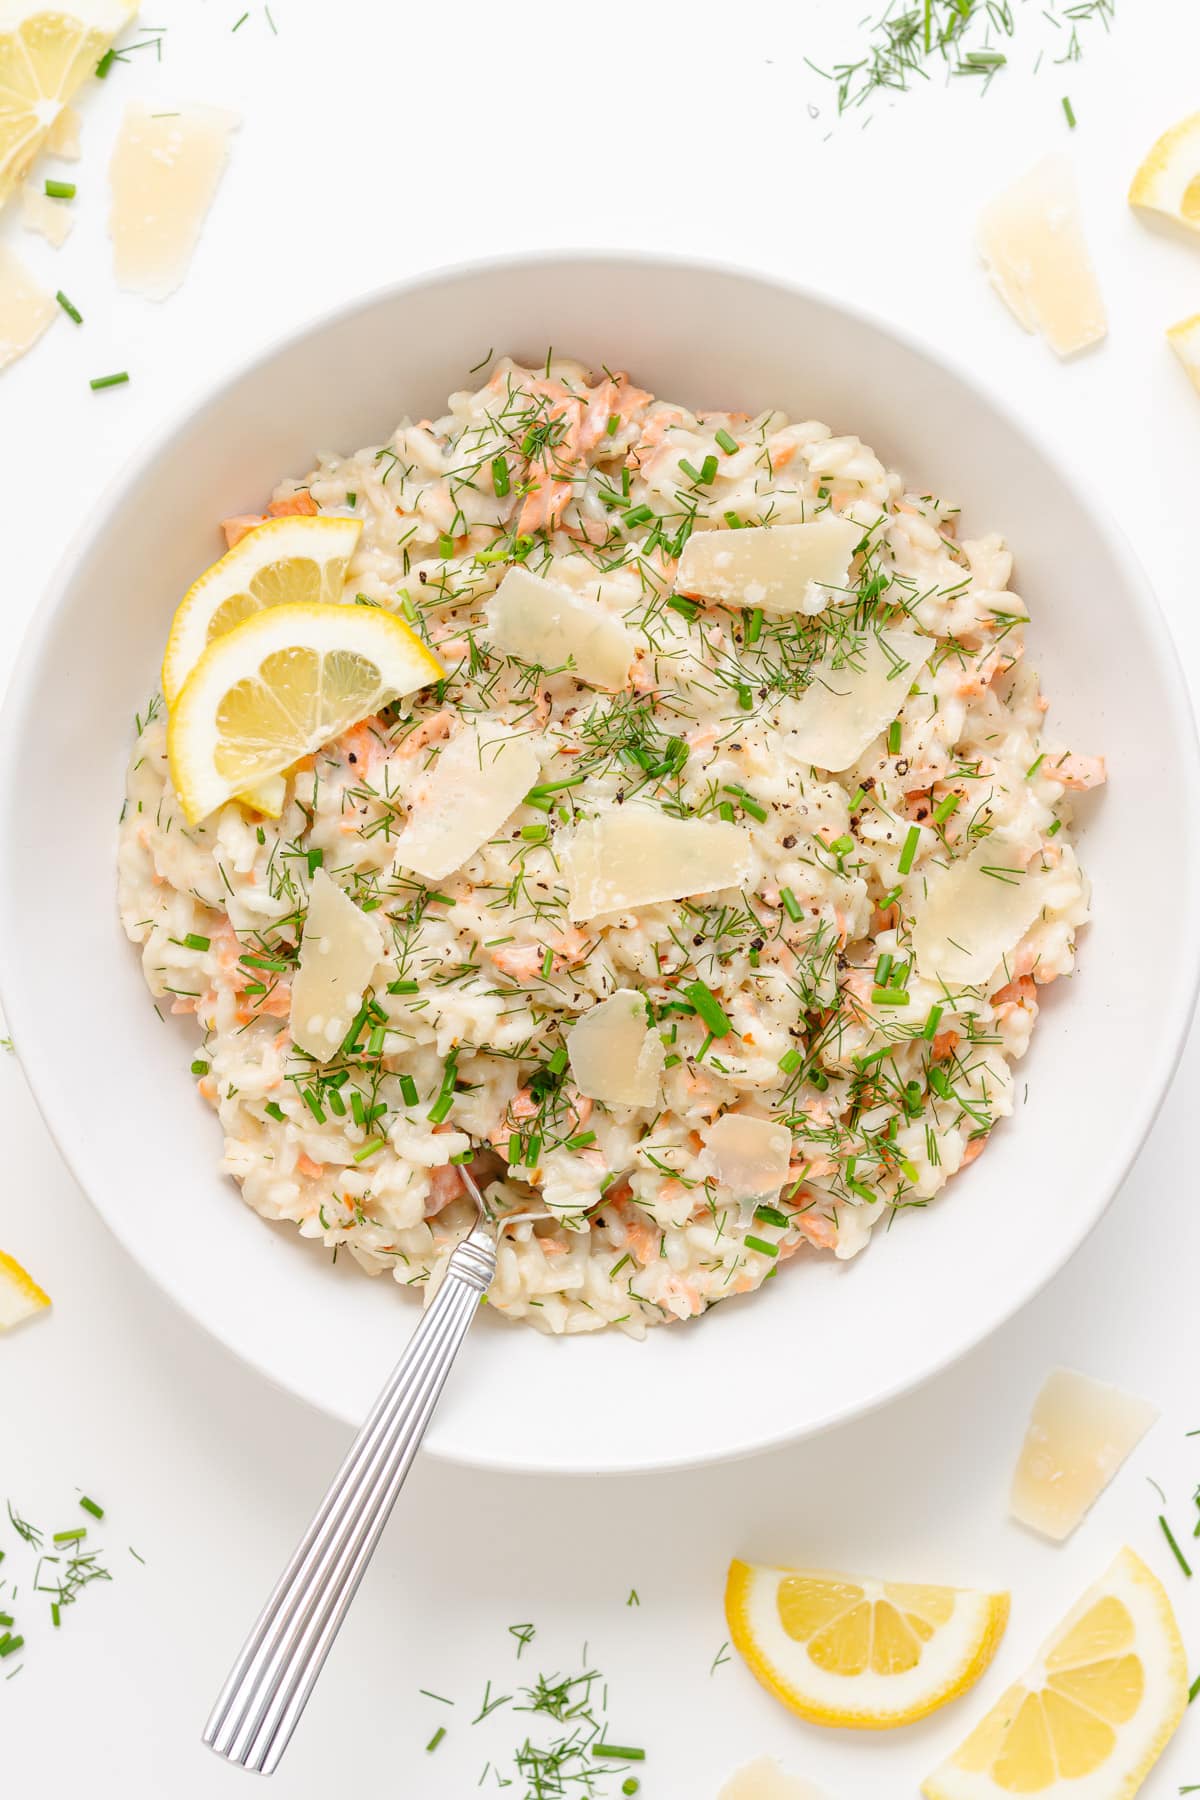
18, 698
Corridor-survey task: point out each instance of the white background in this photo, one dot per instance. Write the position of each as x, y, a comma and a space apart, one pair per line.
378, 140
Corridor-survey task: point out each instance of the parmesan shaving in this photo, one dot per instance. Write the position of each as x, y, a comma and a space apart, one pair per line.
481, 776
541, 622
1031, 239
636, 855
765, 1780
839, 713
51, 219
1080, 1433
615, 1055
975, 912
25, 311
62, 139
772, 566
339, 952
750, 1155
164, 172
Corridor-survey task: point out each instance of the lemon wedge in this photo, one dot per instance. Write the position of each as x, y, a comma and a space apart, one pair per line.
280, 563
20, 1295
1184, 340
44, 55
277, 687
1093, 1714
850, 1650
1168, 181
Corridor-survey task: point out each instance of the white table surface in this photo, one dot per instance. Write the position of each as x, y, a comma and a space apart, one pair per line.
378, 140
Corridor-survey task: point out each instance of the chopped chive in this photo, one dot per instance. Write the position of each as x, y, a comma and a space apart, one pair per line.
771, 1215
754, 625
408, 1090
929, 1029
5, 1618
893, 738
9, 1645
60, 190
74, 1536
791, 905
944, 808
760, 1244
55, 1615
105, 64
369, 1148
107, 381
315, 860
910, 849
686, 608
535, 834
745, 697
747, 803
708, 469
630, 1785
404, 987
547, 962
842, 846
619, 1752
557, 1062
501, 479
192, 940
351, 498
1176, 1552
639, 515
725, 811
436, 1739
939, 1081
445, 545
708, 1008
555, 787
275, 1111
1034, 766
311, 1100
1051, 829
790, 1061
728, 444
199, 1067
71, 311
891, 996
581, 1140
1069, 111
375, 1041
613, 426
732, 520
690, 470
1192, 1692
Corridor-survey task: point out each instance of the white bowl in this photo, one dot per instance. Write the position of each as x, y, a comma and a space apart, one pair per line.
825, 1341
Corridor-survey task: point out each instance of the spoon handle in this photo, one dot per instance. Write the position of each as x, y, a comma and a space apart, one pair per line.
270, 1683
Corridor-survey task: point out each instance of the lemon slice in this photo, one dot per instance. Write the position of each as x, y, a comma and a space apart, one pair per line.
849, 1650
1092, 1716
20, 1295
44, 55
280, 563
1168, 181
277, 687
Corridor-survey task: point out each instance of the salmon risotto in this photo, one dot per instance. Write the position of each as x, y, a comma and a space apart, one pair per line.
699, 901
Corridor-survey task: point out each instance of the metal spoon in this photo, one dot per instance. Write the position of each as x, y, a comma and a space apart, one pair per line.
268, 1688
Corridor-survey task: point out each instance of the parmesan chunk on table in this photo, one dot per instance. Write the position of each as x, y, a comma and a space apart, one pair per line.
542, 622
976, 911
636, 855
51, 219
765, 1780
616, 1056
1080, 1433
164, 173
481, 776
842, 709
772, 566
1031, 239
339, 952
25, 311
751, 1155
